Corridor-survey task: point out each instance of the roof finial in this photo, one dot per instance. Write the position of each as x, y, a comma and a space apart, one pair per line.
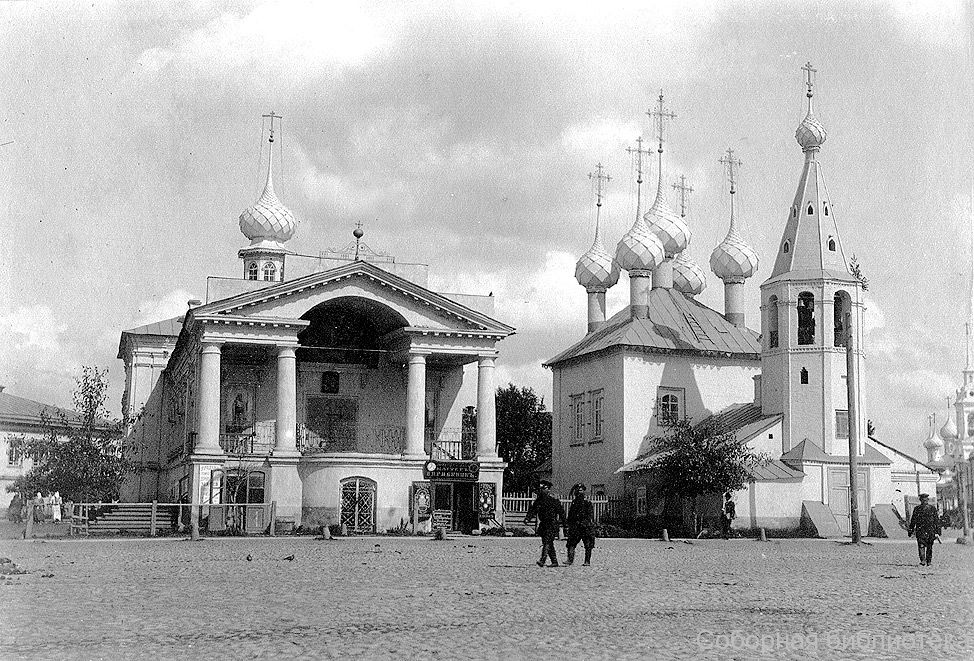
809, 82
638, 151
685, 190
269, 183
358, 233
732, 164
599, 176
661, 114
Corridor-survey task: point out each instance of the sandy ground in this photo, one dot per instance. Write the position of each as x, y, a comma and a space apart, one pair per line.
481, 598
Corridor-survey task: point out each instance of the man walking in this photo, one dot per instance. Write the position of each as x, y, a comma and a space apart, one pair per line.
926, 524
581, 525
550, 515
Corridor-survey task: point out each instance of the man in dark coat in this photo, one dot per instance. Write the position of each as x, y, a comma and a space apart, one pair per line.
550, 515
926, 524
728, 514
581, 525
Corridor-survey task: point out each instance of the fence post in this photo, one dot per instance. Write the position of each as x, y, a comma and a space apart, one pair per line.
152, 519
273, 532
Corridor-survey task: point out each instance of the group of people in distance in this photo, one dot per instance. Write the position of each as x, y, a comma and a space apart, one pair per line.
580, 524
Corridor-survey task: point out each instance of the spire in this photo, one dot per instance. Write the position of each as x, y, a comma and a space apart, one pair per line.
596, 270
268, 220
638, 151
671, 229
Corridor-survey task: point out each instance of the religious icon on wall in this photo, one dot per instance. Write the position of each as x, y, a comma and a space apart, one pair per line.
238, 410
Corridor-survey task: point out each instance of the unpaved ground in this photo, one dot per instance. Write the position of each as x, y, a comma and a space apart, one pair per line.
482, 598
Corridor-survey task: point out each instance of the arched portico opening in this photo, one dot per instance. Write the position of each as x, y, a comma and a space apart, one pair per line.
347, 330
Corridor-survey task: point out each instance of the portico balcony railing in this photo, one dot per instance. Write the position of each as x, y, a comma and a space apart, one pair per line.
452, 443
260, 441
368, 439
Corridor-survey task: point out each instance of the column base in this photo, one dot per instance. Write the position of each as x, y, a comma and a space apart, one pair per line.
207, 454
285, 454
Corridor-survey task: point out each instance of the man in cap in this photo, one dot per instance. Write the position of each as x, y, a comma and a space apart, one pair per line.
581, 525
551, 515
926, 524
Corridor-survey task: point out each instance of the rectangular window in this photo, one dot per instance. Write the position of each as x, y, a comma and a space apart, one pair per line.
669, 405
597, 402
841, 424
578, 413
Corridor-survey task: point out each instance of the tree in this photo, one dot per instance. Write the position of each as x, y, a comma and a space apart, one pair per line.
857, 273
78, 455
693, 461
523, 434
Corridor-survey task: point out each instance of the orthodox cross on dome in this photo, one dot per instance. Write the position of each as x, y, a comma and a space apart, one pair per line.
358, 233
809, 82
660, 114
638, 151
732, 164
599, 176
685, 190
272, 116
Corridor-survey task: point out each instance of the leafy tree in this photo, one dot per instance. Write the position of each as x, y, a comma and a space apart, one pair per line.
78, 455
693, 461
856, 270
523, 434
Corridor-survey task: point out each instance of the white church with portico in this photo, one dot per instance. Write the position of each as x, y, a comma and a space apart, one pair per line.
338, 387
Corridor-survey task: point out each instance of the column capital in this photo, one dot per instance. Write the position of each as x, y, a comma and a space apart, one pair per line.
285, 351
211, 347
416, 357
486, 359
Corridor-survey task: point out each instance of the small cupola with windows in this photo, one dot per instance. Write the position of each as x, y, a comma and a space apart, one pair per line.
268, 224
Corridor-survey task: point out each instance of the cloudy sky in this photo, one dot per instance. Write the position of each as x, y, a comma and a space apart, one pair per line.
461, 135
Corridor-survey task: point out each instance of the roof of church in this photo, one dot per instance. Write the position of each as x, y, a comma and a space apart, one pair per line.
166, 328
773, 471
676, 324
899, 452
807, 451
20, 410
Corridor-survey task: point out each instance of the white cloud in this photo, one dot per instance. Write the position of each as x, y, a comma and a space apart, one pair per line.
873, 319
36, 354
944, 23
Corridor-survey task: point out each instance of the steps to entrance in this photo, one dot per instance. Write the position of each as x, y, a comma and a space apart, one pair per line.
128, 517
818, 521
884, 522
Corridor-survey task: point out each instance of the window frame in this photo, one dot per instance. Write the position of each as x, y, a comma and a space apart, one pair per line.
677, 395
842, 422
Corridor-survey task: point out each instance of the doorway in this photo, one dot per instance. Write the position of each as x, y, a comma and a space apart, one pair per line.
455, 506
839, 501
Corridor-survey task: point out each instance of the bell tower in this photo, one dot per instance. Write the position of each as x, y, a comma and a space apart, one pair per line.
809, 304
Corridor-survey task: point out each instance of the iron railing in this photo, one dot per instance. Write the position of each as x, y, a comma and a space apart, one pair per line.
451, 443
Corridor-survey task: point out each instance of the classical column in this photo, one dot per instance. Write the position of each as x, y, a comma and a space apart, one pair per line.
416, 405
486, 418
286, 402
208, 438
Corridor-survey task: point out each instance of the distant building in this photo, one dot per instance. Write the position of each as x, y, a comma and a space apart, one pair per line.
668, 357
331, 385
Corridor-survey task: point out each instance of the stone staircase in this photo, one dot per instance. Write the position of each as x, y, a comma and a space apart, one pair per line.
132, 518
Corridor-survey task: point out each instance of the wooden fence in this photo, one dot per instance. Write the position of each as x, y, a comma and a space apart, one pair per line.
516, 507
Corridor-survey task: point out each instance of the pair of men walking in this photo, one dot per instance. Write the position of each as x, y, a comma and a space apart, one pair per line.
579, 525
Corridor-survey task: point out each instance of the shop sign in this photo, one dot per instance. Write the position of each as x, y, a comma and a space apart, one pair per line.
452, 471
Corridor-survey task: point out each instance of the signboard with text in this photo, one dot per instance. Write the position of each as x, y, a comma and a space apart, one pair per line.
452, 471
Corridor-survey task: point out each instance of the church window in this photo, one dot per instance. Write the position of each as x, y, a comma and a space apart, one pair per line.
773, 322
841, 424
811, 209
831, 244
804, 376
669, 406
578, 417
806, 318
252, 271
841, 306
270, 271
329, 383
786, 248
598, 400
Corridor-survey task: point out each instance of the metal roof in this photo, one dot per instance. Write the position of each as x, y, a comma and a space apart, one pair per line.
807, 451
166, 328
23, 411
773, 471
676, 324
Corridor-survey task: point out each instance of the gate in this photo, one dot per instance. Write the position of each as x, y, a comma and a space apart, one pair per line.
358, 505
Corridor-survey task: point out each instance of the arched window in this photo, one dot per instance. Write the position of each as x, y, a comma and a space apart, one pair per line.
832, 244
804, 376
358, 504
841, 305
811, 209
270, 271
785, 248
772, 322
806, 318
252, 271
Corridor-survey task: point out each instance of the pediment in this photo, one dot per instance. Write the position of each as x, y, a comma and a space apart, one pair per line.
418, 306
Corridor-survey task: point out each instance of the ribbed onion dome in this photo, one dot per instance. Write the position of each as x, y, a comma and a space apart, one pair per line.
933, 441
596, 270
669, 226
688, 277
733, 260
268, 218
949, 430
810, 134
639, 248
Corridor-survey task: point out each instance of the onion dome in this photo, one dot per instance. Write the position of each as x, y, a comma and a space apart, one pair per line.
933, 441
688, 277
949, 430
639, 248
672, 230
810, 134
596, 270
733, 260
268, 219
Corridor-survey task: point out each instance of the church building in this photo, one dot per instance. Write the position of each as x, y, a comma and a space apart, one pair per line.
334, 389
782, 391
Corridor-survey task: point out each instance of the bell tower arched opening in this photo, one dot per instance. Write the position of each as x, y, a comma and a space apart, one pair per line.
806, 318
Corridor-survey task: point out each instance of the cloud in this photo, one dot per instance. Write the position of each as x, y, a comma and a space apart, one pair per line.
38, 354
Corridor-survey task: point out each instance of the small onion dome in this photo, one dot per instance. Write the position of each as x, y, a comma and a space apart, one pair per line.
688, 277
733, 260
639, 248
949, 431
670, 227
933, 441
268, 218
596, 270
810, 134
